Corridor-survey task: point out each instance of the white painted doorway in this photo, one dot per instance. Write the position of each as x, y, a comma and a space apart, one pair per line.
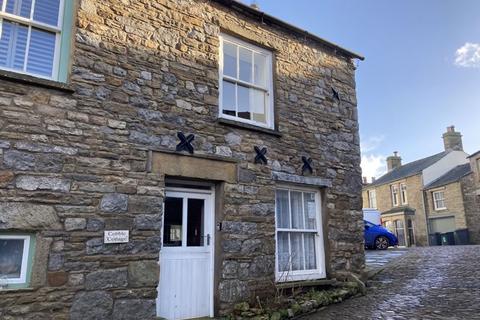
185, 289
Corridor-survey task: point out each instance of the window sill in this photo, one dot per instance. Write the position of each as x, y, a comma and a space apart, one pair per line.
247, 126
306, 283
39, 82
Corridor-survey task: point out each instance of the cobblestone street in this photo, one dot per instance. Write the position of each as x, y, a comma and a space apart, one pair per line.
425, 283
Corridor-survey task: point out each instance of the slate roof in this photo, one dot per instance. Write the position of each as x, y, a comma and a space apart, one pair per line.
409, 169
451, 176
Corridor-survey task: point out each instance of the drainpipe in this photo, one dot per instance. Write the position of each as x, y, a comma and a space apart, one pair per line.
426, 218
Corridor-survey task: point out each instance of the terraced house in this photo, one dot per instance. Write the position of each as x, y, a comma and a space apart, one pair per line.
170, 158
430, 201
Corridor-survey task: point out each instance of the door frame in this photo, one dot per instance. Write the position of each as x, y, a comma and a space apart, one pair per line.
210, 193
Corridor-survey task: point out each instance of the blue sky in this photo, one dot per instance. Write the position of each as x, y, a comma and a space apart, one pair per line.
421, 73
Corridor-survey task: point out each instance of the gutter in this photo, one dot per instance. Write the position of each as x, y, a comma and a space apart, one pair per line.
268, 19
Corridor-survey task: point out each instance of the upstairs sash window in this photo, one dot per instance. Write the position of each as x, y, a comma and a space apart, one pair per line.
31, 36
245, 82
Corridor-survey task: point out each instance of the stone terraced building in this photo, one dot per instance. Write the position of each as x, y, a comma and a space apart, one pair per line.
170, 158
430, 198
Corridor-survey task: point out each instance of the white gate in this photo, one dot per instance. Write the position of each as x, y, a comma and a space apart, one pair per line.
185, 289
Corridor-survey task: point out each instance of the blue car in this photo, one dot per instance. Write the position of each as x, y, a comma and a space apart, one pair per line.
377, 237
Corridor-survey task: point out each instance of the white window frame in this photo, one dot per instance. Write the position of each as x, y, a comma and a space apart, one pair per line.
403, 193
29, 22
270, 118
301, 275
395, 195
26, 251
372, 199
435, 204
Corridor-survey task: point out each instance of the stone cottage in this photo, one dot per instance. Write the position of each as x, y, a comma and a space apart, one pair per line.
170, 158
422, 200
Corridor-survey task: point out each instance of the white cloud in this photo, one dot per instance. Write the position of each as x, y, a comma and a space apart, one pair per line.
468, 55
371, 143
373, 165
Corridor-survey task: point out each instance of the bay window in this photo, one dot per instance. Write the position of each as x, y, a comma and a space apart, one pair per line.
35, 37
246, 93
299, 239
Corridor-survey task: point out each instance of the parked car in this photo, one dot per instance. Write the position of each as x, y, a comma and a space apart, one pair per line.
377, 237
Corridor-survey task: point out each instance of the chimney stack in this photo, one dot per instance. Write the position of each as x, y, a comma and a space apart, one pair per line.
452, 140
394, 161
365, 180
255, 5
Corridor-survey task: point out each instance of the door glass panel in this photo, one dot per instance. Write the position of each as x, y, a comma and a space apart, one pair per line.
11, 252
172, 230
195, 222
297, 210
281, 202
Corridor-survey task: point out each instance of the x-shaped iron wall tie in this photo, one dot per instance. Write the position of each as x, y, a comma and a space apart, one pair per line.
307, 165
185, 142
260, 157
335, 93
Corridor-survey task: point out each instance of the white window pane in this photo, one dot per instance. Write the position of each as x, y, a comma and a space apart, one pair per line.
46, 11
259, 69
309, 245
297, 251
229, 59
282, 210
282, 252
245, 64
13, 45
11, 253
258, 106
243, 102
41, 52
310, 210
297, 210
228, 98
19, 7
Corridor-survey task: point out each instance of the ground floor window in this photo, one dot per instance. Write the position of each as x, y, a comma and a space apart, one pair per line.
15, 260
299, 238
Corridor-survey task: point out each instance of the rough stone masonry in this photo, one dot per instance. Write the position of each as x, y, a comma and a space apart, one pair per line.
75, 160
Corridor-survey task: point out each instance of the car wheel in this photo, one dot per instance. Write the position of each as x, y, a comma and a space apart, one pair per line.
381, 243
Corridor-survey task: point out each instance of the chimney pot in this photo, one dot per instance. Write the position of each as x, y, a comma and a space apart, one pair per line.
365, 180
255, 5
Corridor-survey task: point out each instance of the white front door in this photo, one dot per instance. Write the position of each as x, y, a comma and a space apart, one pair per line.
185, 289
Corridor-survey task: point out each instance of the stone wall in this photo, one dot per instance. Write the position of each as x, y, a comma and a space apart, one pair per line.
453, 201
471, 200
75, 162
